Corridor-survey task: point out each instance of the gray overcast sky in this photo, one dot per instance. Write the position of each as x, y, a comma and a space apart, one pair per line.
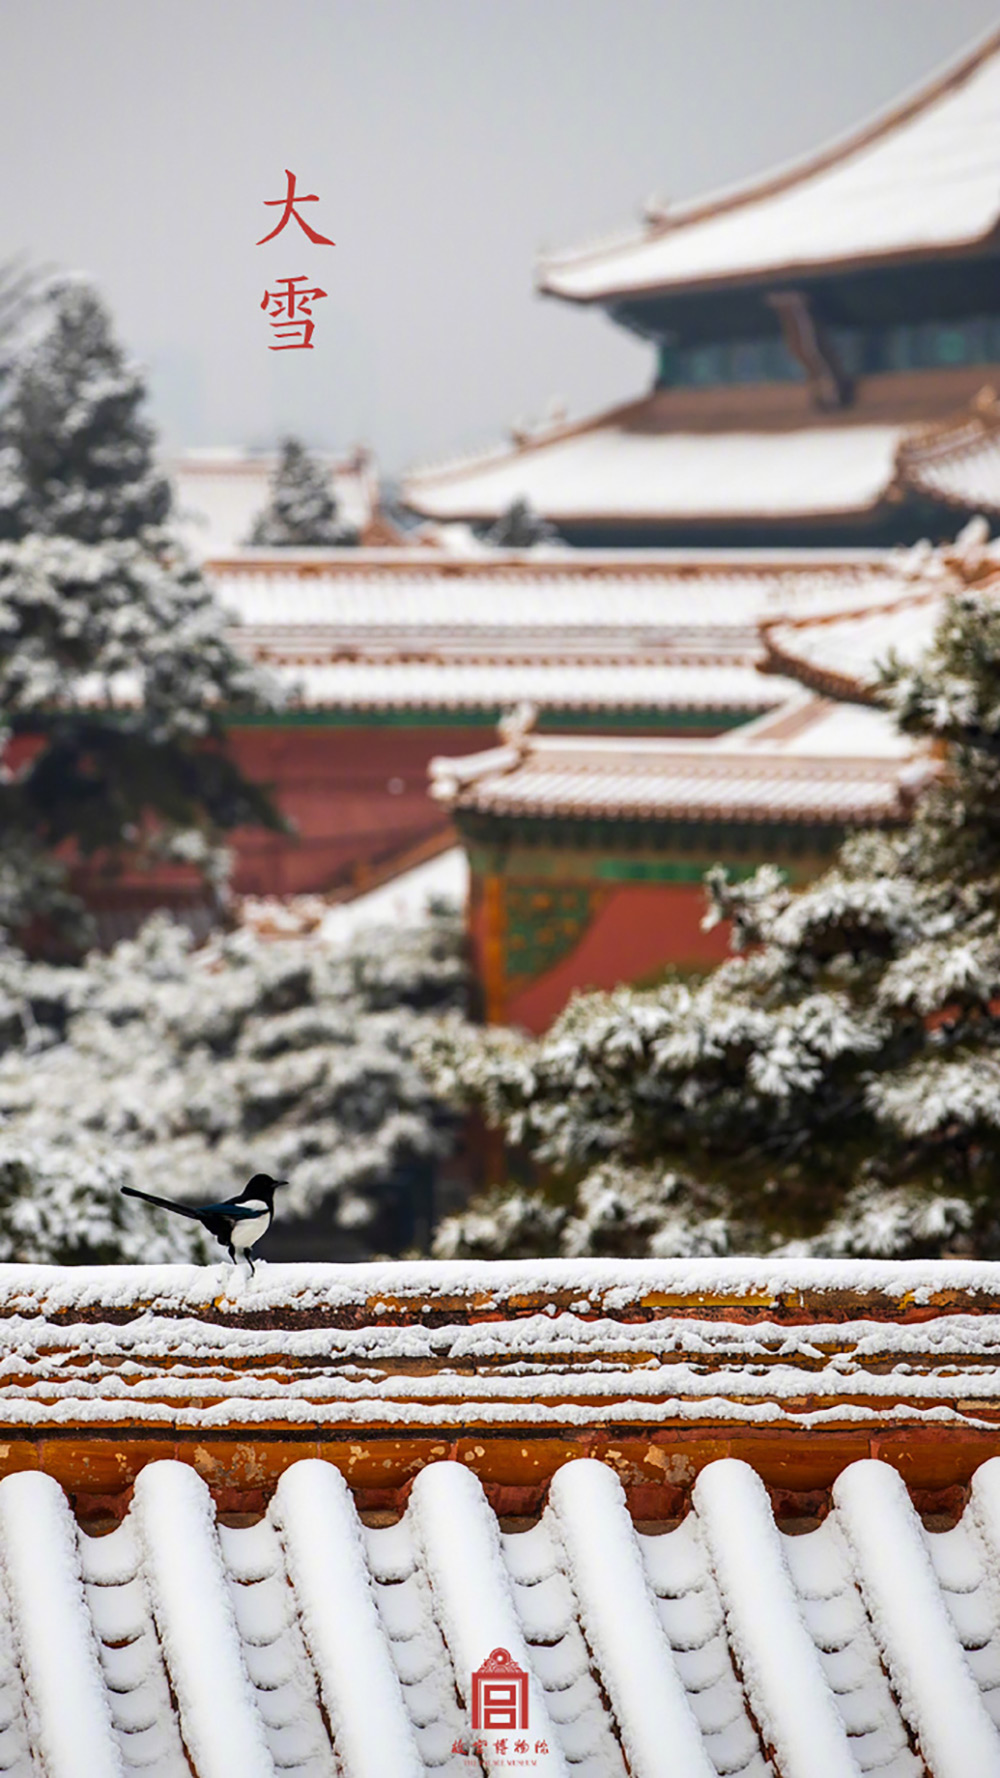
448, 140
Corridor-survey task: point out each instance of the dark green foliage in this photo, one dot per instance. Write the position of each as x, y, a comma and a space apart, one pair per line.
301, 512
520, 527
114, 658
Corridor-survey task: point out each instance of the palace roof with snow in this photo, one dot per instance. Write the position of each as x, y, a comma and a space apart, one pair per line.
826, 340
829, 764
806, 760
926, 176
745, 1510
663, 631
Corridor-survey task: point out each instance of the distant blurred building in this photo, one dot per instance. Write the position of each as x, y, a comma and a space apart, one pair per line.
391, 657
826, 340
588, 853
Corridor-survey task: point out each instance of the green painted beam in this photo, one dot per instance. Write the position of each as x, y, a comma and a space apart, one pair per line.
566, 867
568, 721
522, 842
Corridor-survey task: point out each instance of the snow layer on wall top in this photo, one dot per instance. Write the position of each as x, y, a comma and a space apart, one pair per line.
312, 1644
448, 1347
617, 1283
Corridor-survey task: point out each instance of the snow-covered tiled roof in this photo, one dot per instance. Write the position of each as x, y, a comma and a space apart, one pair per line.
620, 467
486, 685
842, 655
219, 493
804, 763
605, 630
840, 651
922, 179
958, 463
699, 600
315, 1644
325, 1638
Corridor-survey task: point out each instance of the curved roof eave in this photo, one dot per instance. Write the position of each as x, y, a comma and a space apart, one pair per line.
557, 274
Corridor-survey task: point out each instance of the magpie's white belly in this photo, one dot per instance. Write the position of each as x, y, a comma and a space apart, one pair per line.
250, 1229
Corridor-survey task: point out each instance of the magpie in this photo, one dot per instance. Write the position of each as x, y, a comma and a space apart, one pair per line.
237, 1224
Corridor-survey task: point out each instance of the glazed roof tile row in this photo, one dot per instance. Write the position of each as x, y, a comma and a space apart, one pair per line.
848, 771
671, 630
670, 596
310, 1643
313, 1638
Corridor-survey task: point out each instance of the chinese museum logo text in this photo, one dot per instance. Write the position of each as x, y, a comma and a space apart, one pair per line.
500, 1709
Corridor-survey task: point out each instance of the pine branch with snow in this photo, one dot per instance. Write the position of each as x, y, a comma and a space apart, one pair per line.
301, 512
184, 1071
520, 527
834, 1086
115, 664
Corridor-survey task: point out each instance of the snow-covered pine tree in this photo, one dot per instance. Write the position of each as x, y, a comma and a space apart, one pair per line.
184, 1071
301, 512
520, 527
18, 292
834, 1087
114, 657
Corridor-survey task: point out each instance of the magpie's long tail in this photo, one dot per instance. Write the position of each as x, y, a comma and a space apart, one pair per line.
162, 1203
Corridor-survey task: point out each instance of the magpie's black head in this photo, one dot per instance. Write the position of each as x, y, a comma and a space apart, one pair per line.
261, 1186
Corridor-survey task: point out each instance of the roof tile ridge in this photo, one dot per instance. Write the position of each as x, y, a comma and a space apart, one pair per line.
817, 620
954, 435
795, 173
472, 461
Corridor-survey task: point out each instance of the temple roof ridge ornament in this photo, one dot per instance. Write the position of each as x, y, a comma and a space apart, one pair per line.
516, 725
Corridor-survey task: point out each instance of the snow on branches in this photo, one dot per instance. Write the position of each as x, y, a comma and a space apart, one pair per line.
114, 658
834, 1087
185, 1071
301, 512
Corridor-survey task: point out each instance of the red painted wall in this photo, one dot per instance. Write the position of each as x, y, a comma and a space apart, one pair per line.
356, 796
640, 929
